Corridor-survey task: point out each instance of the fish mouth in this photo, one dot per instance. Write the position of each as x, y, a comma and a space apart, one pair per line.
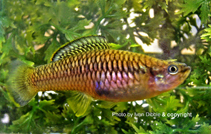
185, 70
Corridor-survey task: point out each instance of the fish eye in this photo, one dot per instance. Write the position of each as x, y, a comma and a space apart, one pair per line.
173, 69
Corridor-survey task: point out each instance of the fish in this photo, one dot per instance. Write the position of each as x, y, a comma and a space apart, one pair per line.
90, 69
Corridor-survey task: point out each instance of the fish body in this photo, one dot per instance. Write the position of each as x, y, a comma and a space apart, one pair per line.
112, 75
95, 70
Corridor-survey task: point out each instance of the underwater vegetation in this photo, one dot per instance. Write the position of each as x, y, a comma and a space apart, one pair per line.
89, 68
31, 31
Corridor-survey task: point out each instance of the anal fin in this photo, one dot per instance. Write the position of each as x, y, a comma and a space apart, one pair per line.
107, 104
79, 102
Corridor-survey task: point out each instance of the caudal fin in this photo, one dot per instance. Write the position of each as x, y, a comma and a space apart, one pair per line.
19, 83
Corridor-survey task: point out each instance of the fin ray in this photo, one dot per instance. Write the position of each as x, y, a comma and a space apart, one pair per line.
20, 91
80, 45
79, 102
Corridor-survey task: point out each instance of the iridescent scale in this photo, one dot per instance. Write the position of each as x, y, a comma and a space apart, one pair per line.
103, 74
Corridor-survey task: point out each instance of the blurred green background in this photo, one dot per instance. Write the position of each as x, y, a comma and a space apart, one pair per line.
32, 30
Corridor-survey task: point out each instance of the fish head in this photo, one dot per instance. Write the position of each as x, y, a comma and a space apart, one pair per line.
168, 76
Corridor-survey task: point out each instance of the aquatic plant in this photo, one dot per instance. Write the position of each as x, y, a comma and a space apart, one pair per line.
32, 30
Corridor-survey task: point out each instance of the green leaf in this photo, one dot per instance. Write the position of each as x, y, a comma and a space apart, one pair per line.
26, 123
204, 11
23, 122
204, 59
190, 6
80, 25
173, 104
120, 2
121, 106
201, 103
7, 46
138, 130
46, 103
195, 119
205, 128
53, 118
51, 49
71, 34
167, 1
207, 35
125, 132
102, 5
160, 127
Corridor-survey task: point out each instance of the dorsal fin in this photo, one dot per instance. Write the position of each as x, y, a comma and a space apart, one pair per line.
80, 45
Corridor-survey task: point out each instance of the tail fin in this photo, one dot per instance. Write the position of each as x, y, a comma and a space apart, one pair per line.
19, 86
